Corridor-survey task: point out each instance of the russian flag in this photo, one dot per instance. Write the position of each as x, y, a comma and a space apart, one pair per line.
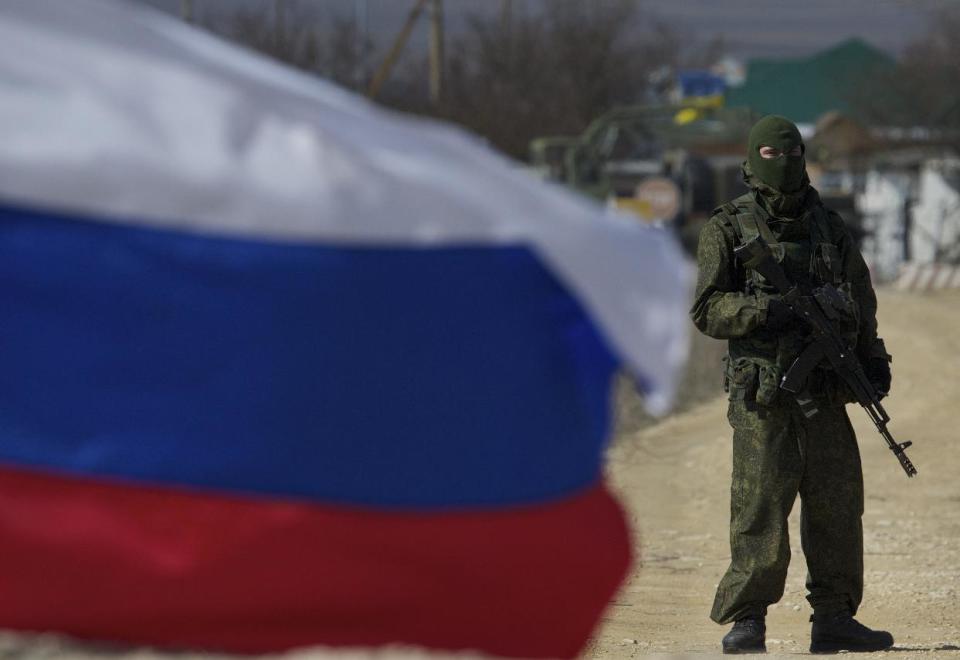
279, 368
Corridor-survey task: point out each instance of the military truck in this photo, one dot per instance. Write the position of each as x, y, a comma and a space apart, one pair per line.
698, 150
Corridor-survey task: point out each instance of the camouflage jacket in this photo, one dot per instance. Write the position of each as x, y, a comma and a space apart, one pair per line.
729, 304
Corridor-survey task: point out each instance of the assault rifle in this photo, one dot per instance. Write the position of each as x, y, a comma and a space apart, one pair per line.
818, 309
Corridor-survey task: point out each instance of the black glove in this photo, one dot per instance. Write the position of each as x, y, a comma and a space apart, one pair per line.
878, 373
779, 315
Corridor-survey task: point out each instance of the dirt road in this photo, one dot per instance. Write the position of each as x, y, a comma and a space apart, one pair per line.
674, 479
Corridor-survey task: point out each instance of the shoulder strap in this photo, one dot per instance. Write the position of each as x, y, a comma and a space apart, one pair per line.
821, 225
752, 220
748, 222
824, 265
727, 210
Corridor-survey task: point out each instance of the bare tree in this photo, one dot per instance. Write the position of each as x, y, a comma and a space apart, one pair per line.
547, 73
930, 70
333, 47
923, 89
510, 76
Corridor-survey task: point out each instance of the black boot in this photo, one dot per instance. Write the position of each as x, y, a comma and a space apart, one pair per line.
841, 632
747, 636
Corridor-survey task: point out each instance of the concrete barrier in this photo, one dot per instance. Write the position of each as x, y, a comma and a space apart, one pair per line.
928, 277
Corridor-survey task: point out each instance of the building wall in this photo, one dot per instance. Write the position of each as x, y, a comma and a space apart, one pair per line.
883, 207
935, 234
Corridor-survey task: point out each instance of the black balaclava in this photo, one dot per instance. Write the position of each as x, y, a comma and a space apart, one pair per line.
781, 181
786, 172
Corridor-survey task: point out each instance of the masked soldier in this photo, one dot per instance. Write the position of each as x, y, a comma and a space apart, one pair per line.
785, 445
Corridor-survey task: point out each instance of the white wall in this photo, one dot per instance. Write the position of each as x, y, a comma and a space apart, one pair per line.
881, 205
936, 215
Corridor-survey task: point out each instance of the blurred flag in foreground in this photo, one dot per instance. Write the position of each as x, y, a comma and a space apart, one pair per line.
279, 368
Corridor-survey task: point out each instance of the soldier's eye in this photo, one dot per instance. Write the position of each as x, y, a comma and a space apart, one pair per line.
769, 152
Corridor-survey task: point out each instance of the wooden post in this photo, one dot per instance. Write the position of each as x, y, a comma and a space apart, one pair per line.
506, 16
279, 26
361, 20
384, 71
436, 51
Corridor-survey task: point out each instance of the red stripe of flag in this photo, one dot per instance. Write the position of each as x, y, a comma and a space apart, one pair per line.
171, 568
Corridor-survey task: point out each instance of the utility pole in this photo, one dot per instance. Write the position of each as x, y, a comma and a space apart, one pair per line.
506, 16
361, 20
506, 28
436, 51
384, 71
186, 10
278, 25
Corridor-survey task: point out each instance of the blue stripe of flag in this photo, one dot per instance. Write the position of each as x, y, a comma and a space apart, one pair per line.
389, 377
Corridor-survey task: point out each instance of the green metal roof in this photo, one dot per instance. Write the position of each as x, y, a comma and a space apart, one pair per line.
804, 89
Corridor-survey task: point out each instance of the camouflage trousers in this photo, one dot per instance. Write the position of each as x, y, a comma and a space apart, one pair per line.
778, 454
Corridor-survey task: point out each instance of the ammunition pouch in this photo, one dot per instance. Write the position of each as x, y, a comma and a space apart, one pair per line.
750, 379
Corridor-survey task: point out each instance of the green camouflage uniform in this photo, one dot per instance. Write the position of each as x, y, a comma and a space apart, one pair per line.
778, 452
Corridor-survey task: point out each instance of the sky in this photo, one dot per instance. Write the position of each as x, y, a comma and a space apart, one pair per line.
751, 28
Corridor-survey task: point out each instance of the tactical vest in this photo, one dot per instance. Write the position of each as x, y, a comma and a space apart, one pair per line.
811, 256
806, 248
